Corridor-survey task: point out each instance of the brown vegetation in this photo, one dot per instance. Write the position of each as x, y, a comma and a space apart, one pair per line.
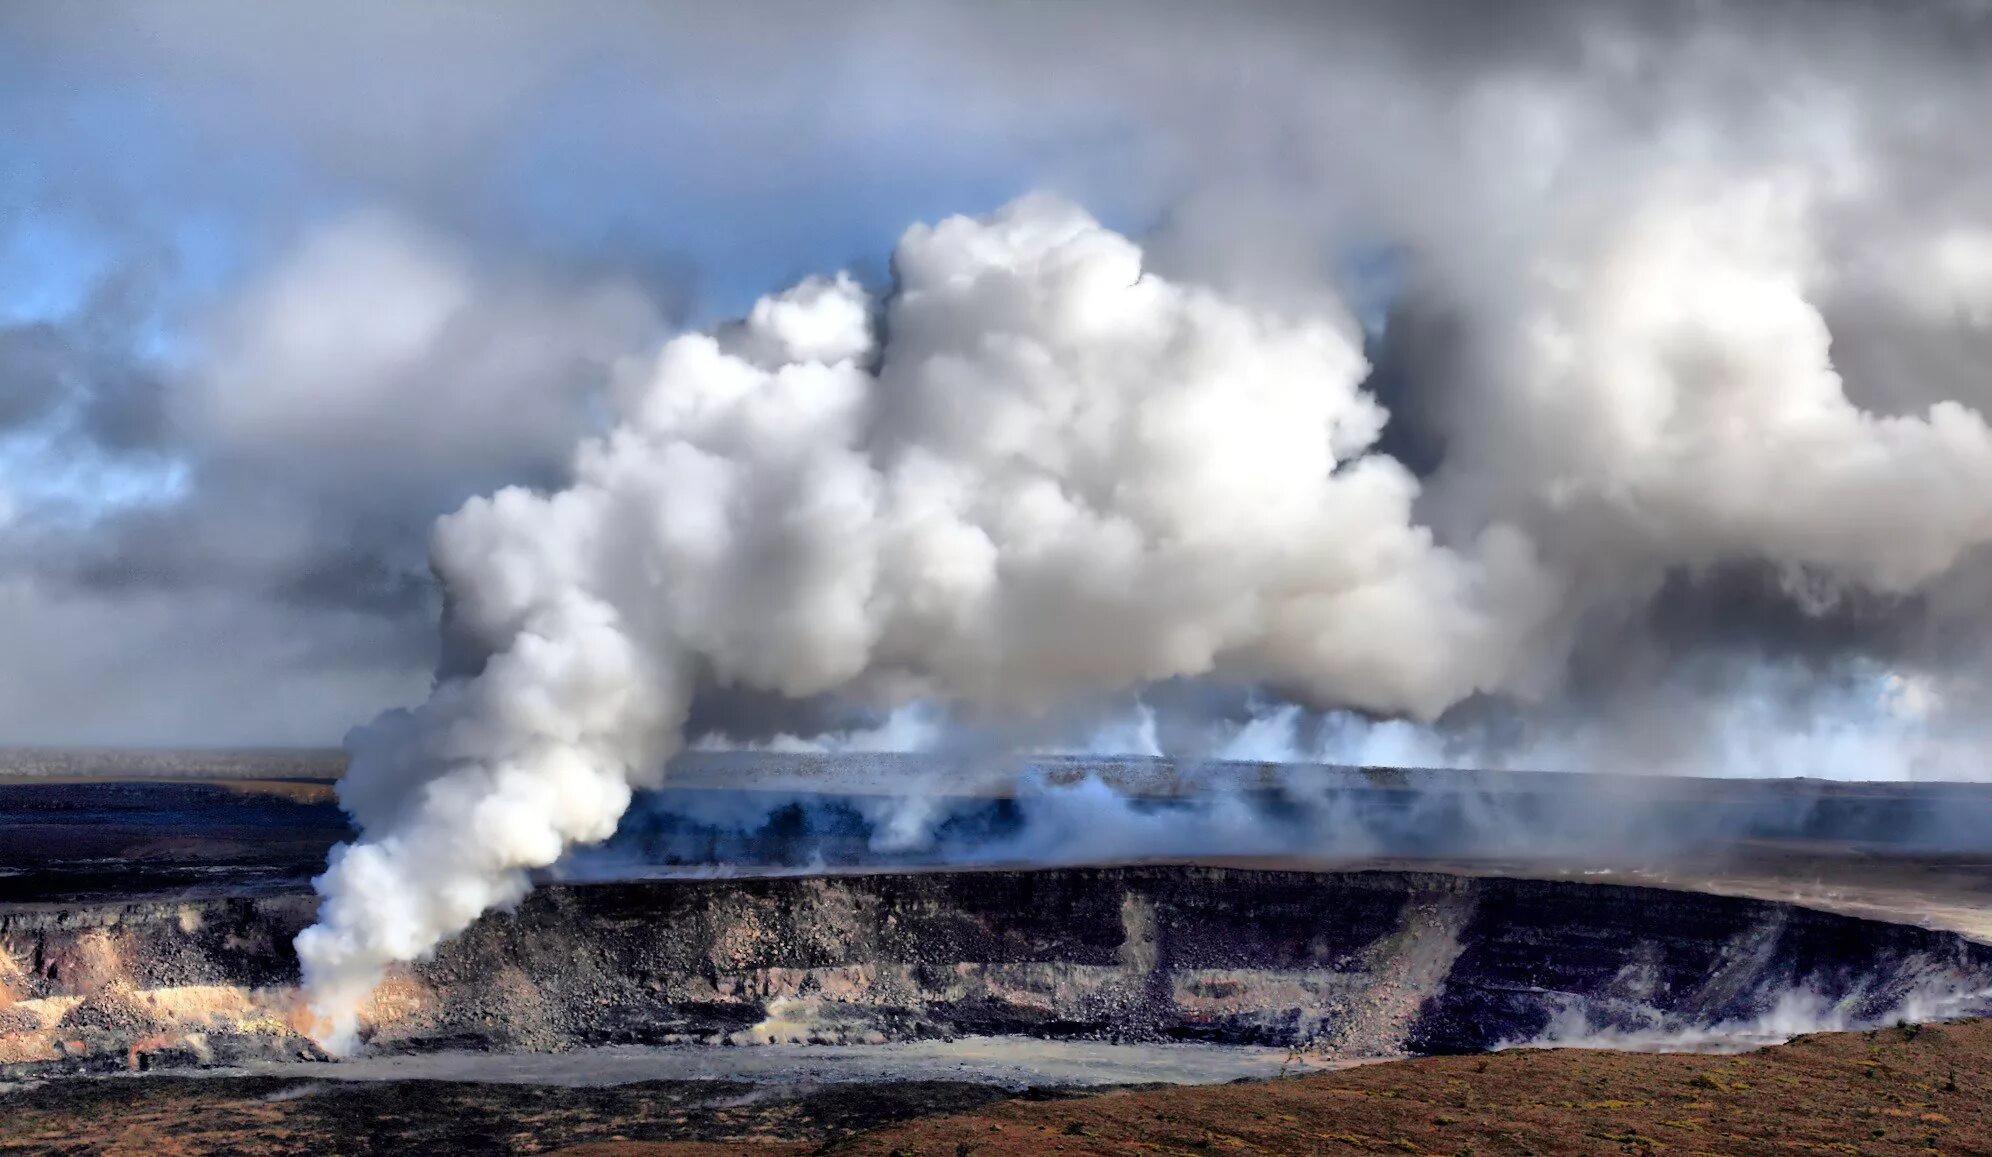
1908, 1090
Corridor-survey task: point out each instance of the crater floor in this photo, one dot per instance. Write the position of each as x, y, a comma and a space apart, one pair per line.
1882, 1092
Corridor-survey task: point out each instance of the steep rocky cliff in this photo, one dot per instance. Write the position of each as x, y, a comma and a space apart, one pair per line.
1350, 964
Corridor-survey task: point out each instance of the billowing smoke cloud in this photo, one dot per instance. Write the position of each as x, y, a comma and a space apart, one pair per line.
1664, 396
1035, 472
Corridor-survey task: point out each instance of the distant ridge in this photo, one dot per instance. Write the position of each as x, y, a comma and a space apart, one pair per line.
171, 763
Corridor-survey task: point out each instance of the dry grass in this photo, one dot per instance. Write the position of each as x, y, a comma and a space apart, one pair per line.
1893, 1091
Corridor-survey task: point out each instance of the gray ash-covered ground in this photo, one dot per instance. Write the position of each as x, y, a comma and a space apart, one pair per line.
297, 1115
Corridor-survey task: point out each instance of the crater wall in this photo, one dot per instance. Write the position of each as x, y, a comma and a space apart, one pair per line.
1347, 964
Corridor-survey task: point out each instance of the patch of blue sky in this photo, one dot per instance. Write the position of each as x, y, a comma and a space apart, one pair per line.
48, 267
183, 179
1370, 276
606, 166
136, 157
54, 481
51, 265
87, 149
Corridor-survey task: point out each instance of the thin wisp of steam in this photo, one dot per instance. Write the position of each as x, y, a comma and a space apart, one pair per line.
1792, 1012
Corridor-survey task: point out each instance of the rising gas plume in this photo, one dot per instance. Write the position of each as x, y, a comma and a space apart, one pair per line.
1059, 476
1639, 378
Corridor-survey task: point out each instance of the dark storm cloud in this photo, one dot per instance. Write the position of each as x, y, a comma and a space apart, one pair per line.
83, 373
34, 364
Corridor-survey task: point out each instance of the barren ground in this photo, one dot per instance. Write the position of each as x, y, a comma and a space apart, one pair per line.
1012, 1062
1907, 1090
1891, 1091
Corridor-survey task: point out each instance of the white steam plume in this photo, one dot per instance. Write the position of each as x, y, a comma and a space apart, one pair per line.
1036, 472
1038, 475
1659, 391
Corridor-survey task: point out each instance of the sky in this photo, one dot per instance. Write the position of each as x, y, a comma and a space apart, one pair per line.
196, 553
281, 285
